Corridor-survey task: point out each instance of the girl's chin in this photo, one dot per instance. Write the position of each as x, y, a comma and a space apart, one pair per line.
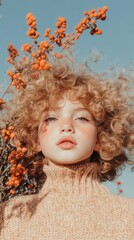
65, 163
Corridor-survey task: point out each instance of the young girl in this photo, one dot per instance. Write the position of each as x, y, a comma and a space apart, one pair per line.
82, 125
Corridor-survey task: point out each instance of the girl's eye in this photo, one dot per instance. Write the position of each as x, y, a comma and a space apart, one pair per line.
50, 119
83, 119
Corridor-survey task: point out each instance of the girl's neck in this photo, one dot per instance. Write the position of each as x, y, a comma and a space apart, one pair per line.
73, 179
52, 164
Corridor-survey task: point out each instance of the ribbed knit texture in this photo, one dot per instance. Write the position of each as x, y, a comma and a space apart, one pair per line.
68, 207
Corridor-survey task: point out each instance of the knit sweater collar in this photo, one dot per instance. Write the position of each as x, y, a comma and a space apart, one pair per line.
73, 179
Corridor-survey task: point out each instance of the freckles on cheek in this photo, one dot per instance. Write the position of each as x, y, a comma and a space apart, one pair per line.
48, 134
49, 130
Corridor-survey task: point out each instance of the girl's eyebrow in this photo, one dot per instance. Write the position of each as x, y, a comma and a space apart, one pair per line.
75, 109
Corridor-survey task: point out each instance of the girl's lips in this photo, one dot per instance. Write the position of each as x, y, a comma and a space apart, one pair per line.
66, 140
67, 145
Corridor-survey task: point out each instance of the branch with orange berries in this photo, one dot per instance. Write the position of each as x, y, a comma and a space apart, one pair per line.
38, 53
15, 176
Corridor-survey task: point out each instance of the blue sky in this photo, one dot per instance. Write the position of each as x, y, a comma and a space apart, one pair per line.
113, 49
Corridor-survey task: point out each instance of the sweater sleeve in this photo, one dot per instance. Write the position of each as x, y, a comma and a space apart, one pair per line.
12, 217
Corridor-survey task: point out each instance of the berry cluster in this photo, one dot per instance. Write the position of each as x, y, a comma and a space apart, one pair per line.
39, 52
8, 133
31, 22
90, 21
16, 78
13, 53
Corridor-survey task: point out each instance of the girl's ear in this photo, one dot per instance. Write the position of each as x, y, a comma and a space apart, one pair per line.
97, 146
38, 148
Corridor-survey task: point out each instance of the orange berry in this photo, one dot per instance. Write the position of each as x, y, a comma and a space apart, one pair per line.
12, 191
3, 131
103, 17
53, 54
33, 54
92, 11
98, 32
48, 30
51, 37
26, 47
30, 186
35, 66
47, 66
105, 8
119, 182
33, 25
6, 137
12, 161
24, 149
45, 43
62, 20
29, 15
13, 83
73, 38
16, 183
86, 13
59, 55
58, 24
99, 9
42, 63
10, 128
39, 58
10, 74
46, 34
1, 101
93, 21
32, 18
51, 47
12, 135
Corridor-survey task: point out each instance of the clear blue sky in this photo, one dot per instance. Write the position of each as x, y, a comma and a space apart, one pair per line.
115, 46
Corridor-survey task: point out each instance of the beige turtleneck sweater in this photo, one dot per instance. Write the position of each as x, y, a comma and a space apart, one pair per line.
68, 207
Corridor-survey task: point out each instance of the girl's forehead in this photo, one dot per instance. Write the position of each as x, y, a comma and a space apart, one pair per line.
65, 102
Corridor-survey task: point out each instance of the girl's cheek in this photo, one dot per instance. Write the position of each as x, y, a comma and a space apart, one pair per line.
49, 129
90, 133
42, 129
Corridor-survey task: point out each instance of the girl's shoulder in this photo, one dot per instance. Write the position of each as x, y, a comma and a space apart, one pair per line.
123, 206
123, 200
15, 206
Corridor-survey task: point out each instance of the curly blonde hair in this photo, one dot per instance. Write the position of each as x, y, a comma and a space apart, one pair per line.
107, 101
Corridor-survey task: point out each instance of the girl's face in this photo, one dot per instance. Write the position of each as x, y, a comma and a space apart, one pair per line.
69, 134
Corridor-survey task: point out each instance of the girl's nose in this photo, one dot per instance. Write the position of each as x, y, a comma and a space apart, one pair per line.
67, 127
